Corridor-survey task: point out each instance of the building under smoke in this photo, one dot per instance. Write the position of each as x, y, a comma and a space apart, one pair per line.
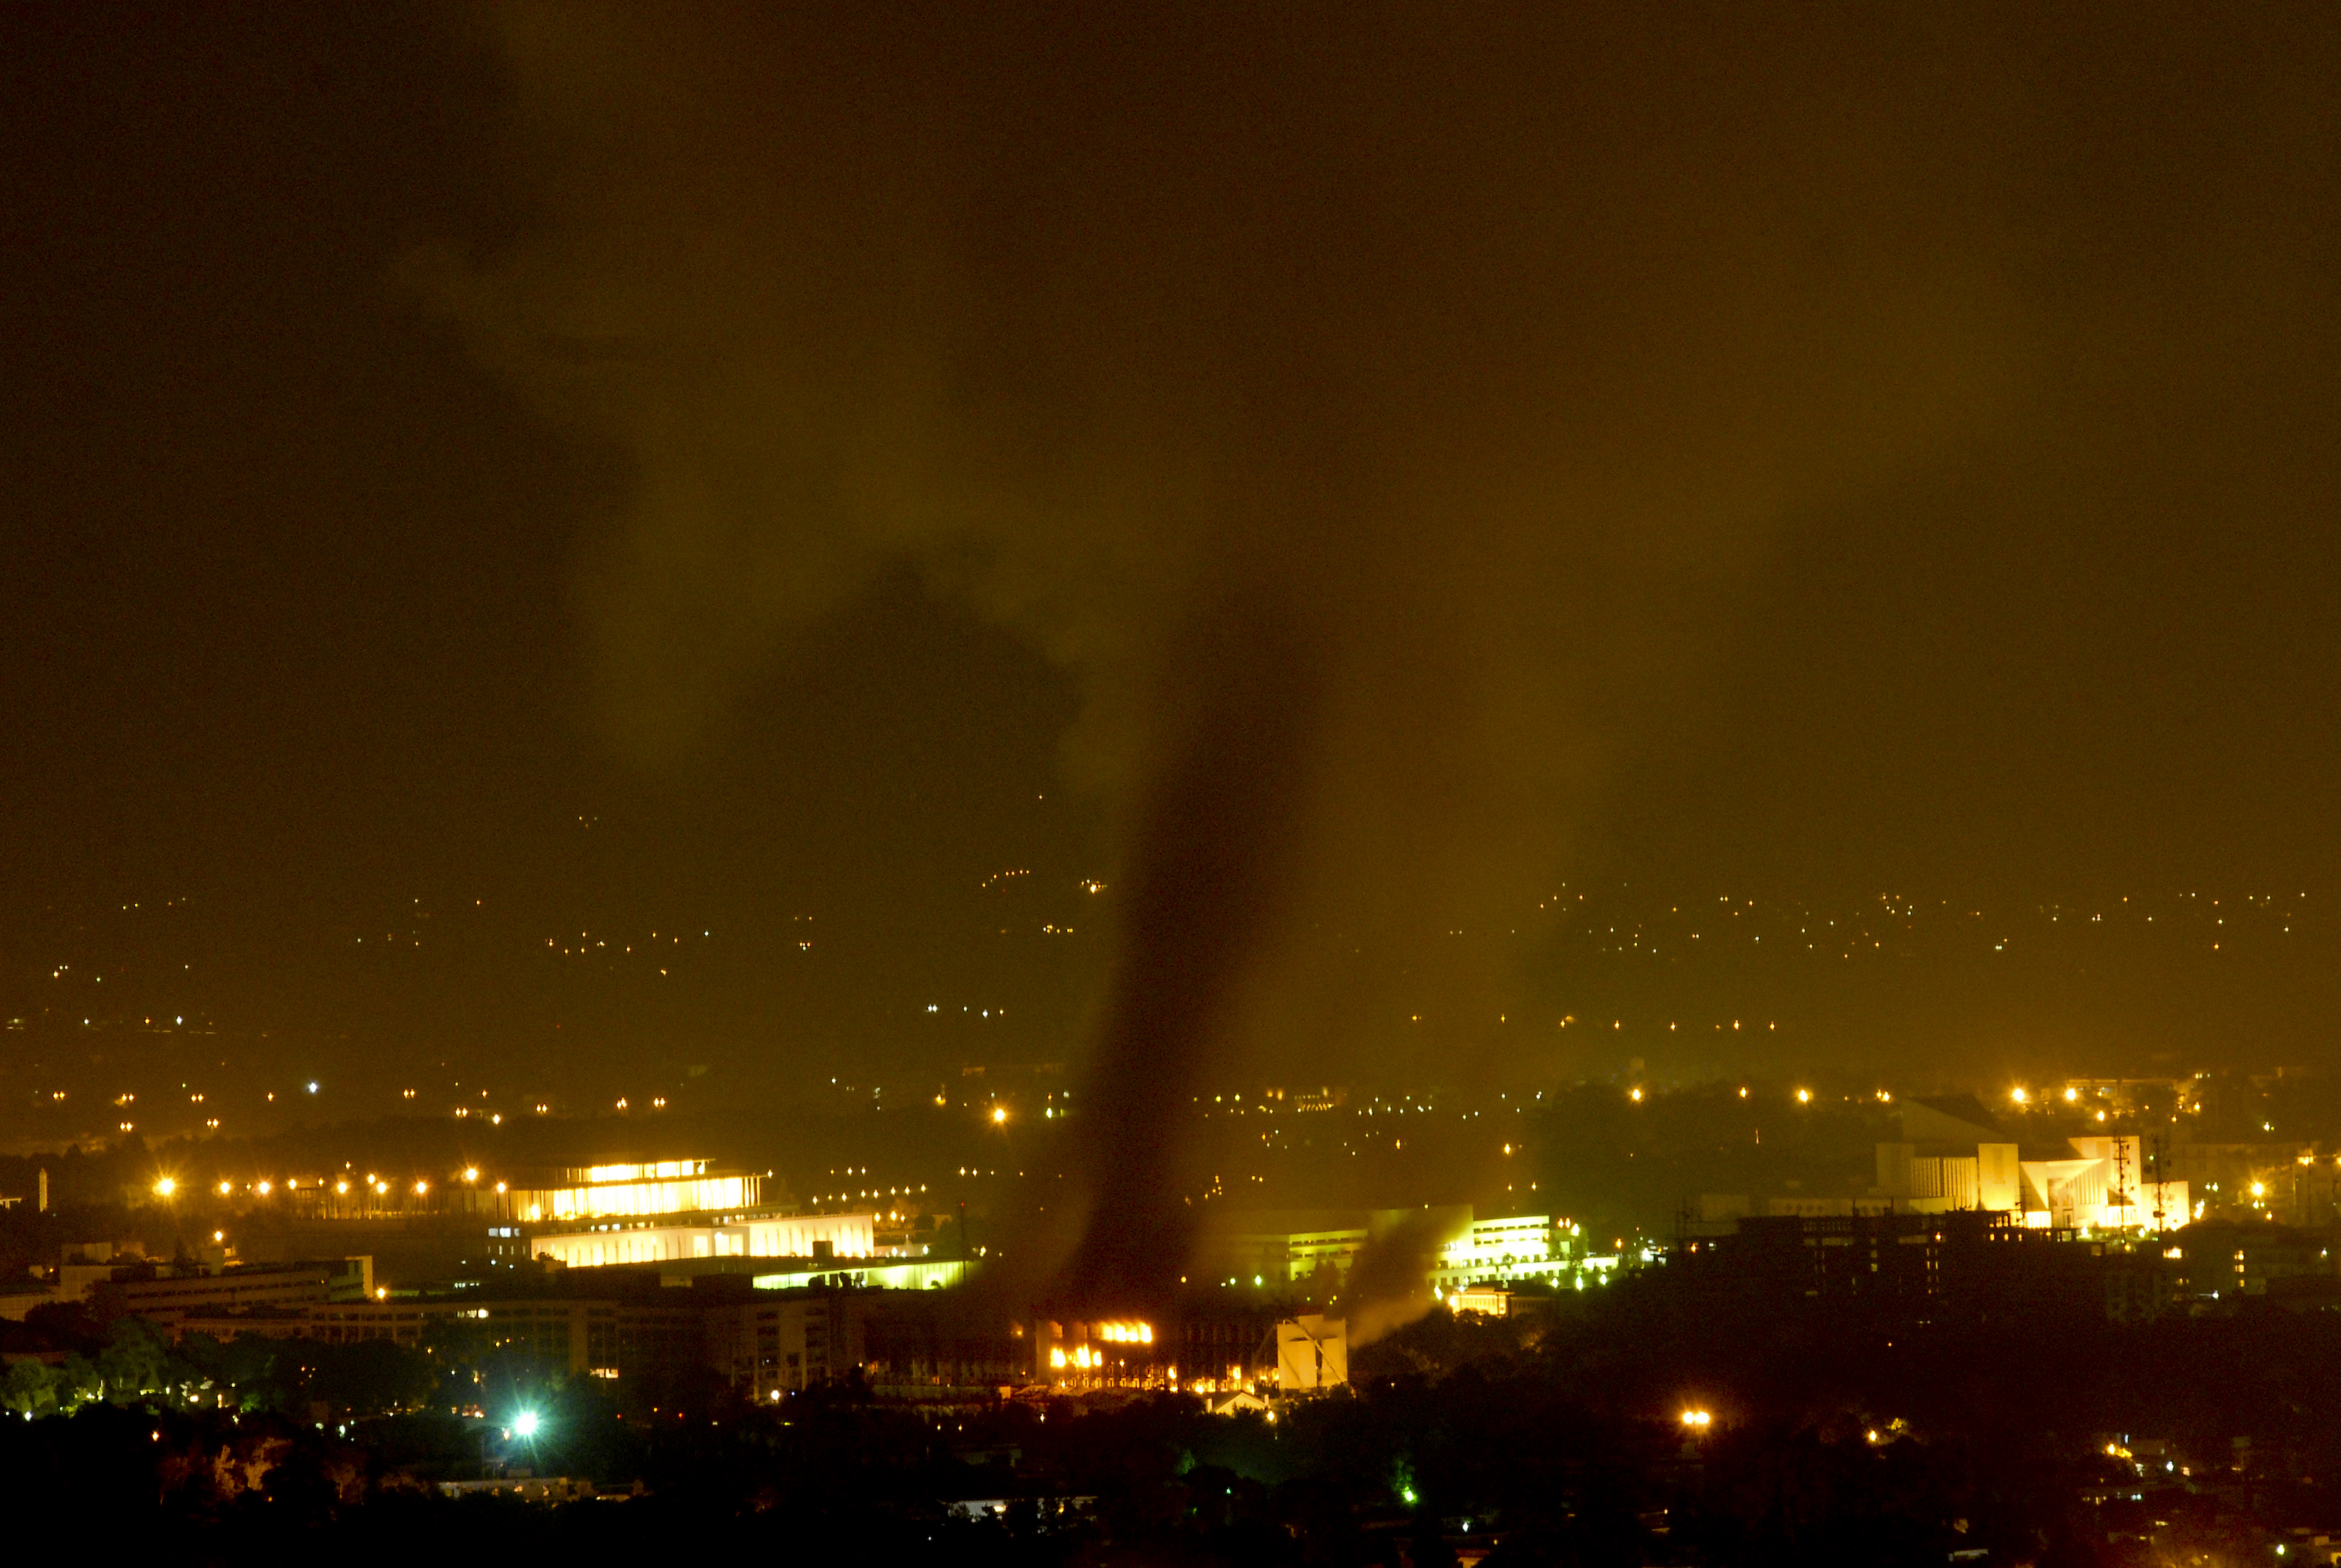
1435, 1249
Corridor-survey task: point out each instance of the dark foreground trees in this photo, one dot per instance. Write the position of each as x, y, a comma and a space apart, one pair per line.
1556, 1439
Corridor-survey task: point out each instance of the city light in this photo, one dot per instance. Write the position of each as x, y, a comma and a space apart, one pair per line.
1313, 458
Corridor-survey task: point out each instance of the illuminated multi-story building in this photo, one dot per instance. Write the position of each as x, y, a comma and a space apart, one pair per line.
1507, 1251
1315, 1250
2104, 1185
1951, 1156
820, 1237
682, 1212
636, 1192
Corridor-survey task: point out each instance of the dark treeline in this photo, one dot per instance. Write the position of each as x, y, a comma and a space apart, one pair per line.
1557, 1433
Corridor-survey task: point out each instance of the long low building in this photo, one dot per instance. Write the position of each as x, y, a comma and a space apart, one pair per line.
1278, 1250
765, 1343
811, 1236
166, 1296
624, 1333
636, 1190
878, 1273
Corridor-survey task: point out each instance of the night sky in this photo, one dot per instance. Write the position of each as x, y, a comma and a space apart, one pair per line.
1354, 482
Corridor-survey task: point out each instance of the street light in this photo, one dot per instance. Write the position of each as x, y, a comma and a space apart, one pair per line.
524, 1423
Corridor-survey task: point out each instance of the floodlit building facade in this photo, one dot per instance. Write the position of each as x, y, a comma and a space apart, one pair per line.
1507, 1251
816, 1237
1952, 1157
636, 1190
682, 1212
2104, 1185
1316, 1249
868, 1273
1313, 1354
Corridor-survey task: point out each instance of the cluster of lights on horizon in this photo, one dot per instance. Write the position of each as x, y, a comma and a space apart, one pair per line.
167, 1187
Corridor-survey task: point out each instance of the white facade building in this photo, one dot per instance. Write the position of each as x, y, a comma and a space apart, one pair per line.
851, 1235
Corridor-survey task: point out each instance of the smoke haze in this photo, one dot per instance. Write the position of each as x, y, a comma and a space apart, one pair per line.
1373, 405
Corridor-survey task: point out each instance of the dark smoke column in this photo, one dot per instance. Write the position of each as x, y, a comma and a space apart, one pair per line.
1207, 859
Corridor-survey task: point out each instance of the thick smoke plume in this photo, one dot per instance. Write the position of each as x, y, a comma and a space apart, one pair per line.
1368, 402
